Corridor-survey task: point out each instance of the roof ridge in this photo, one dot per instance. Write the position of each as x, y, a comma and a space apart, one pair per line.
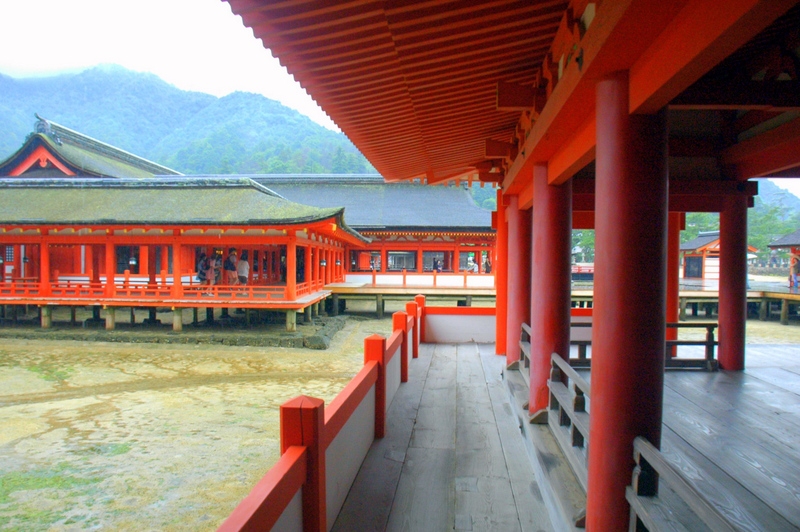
60, 133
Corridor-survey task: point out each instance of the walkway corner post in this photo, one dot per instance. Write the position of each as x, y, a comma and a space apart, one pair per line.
411, 310
399, 323
420, 300
375, 350
302, 422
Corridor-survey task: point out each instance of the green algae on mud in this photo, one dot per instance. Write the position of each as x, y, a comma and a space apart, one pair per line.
157, 436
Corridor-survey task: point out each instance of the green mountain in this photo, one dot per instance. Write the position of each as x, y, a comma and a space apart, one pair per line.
190, 132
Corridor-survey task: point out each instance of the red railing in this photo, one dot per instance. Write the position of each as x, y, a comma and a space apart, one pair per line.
294, 492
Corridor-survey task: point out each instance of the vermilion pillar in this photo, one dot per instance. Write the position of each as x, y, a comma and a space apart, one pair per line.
44, 267
674, 223
501, 276
732, 282
519, 279
629, 297
550, 281
291, 271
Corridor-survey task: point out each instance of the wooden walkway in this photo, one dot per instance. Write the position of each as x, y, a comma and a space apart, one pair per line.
453, 457
736, 436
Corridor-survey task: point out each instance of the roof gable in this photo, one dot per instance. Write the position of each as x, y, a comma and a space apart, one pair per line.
79, 154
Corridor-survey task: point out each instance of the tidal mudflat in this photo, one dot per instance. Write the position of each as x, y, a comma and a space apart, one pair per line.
141, 436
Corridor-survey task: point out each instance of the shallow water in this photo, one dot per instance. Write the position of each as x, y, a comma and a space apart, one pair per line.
149, 436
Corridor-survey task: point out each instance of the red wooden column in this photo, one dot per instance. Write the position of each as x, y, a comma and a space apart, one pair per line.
501, 276
675, 221
111, 268
732, 282
519, 277
629, 297
291, 270
177, 268
551, 289
44, 267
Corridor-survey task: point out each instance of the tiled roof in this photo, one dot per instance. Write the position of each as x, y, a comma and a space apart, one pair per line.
701, 241
787, 241
167, 201
372, 204
84, 155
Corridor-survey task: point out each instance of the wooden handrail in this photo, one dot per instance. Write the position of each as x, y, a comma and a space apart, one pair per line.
571, 374
651, 467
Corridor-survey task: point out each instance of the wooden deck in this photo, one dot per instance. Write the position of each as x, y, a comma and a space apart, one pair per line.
454, 457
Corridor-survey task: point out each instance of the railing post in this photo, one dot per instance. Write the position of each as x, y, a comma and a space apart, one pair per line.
411, 310
709, 345
399, 322
404, 277
375, 349
420, 300
302, 424
373, 277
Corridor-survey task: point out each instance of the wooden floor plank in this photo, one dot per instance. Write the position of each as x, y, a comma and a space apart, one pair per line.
741, 452
425, 497
764, 408
779, 378
531, 509
728, 495
369, 501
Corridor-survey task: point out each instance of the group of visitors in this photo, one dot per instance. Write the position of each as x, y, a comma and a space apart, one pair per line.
211, 270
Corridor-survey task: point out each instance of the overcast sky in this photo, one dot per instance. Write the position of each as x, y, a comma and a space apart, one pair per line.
195, 45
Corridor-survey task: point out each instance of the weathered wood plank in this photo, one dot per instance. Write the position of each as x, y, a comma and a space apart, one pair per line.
425, 497
369, 501
743, 454
731, 498
764, 408
779, 378
531, 509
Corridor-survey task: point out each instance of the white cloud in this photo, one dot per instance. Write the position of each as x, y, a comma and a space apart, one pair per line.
193, 44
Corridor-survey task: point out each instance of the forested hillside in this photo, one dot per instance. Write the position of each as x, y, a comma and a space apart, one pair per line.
188, 131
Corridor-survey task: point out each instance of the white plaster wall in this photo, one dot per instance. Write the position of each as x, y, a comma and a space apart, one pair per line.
711, 269
358, 278
459, 329
453, 281
392, 377
291, 519
580, 333
346, 452
480, 281
391, 280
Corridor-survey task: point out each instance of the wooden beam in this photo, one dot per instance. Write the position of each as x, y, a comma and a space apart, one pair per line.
497, 148
514, 97
750, 95
774, 151
697, 39
681, 41
490, 177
